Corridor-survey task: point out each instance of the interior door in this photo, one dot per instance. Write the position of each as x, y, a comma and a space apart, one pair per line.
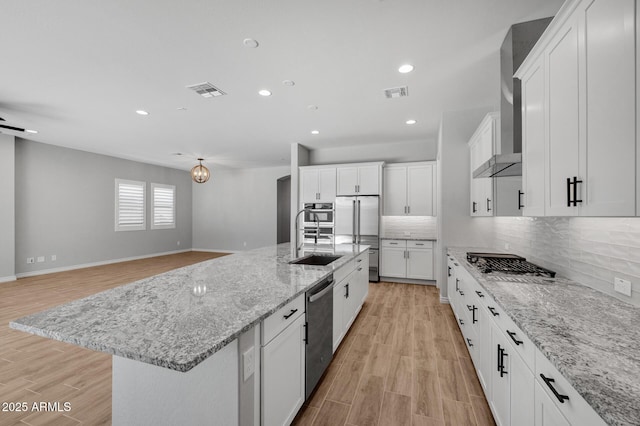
369, 210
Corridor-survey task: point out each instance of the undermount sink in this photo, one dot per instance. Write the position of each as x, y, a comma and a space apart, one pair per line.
315, 259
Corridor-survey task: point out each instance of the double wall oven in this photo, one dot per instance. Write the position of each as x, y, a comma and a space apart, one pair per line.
318, 223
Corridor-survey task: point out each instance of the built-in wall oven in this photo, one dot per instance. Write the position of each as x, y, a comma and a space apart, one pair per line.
318, 213
317, 234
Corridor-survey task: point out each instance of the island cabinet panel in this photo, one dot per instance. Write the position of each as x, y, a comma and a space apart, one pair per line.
145, 394
350, 288
283, 375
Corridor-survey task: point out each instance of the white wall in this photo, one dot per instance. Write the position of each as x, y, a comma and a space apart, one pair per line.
455, 226
591, 251
391, 152
7, 208
65, 205
236, 209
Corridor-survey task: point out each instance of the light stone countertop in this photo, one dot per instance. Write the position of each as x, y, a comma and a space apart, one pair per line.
593, 339
179, 318
409, 238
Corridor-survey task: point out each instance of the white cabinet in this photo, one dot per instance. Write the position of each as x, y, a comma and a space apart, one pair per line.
349, 292
522, 391
317, 184
362, 278
283, 364
409, 189
579, 102
359, 179
482, 145
406, 259
546, 413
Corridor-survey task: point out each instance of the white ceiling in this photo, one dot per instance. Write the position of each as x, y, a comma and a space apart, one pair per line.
77, 70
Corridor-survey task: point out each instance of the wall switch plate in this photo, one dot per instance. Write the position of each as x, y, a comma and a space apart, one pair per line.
31, 260
40, 259
248, 363
622, 286
54, 257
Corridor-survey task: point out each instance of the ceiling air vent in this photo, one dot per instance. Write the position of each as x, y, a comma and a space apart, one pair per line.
397, 92
206, 90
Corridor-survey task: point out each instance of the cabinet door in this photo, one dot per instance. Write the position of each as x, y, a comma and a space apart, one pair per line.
338, 308
420, 264
347, 178
369, 180
546, 413
484, 349
393, 262
309, 185
522, 391
500, 375
562, 110
283, 375
533, 141
451, 280
395, 191
362, 269
350, 295
327, 185
420, 184
488, 199
608, 162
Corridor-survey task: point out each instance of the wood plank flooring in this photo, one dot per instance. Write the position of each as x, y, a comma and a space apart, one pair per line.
403, 362
35, 369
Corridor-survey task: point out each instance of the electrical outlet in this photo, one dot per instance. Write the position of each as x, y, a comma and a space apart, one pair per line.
622, 286
248, 363
407, 233
178, 242
31, 260
54, 257
507, 246
40, 259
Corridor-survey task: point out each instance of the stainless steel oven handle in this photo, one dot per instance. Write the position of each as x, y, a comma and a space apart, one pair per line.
318, 295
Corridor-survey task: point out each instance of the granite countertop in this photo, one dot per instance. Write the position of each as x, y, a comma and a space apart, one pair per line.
410, 238
593, 339
179, 318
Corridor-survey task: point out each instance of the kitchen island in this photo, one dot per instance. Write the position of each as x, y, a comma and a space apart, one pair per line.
174, 336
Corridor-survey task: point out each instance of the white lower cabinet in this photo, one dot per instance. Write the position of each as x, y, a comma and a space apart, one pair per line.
283, 374
546, 413
349, 292
411, 259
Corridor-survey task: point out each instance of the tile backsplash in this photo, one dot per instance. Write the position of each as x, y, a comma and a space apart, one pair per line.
591, 251
416, 226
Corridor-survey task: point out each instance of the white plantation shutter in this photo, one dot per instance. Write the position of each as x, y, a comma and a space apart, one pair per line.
130, 205
164, 206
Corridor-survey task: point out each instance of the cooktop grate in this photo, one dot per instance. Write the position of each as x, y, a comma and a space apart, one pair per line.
509, 264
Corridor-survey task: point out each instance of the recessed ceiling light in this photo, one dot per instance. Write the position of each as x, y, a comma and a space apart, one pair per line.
405, 68
315, 132
181, 108
289, 83
31, 131
142, 112
264, 92
249, 42
312, 107
411, 121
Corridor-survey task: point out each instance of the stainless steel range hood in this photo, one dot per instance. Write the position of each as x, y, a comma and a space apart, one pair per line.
516, 46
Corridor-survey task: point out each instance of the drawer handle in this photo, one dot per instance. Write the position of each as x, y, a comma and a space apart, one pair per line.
501, 355
359, 269
359, 260
479, 293
461, 322
492, 309
395, 244
457, 284
473, 311
558, 395
293, 311
449, 271
461, 292
513, 337
419, 244
469, 342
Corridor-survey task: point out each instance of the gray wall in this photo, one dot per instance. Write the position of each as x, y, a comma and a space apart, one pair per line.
455, 225
7, 208
236, 209
391, 152
65, 206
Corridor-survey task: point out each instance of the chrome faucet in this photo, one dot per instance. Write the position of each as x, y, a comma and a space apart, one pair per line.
297, 245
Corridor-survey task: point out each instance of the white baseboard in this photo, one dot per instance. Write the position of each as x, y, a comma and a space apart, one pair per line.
444, 299
216, 251
8, 279
89, 265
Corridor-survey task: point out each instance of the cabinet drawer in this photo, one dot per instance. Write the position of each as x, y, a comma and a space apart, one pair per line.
281, 318
414, 244
519, 341
394, 243
575, 408
343, 271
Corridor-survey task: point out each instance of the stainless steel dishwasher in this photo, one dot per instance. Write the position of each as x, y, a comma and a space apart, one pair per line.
319, 332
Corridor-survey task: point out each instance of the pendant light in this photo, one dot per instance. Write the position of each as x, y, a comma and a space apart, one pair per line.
199, 173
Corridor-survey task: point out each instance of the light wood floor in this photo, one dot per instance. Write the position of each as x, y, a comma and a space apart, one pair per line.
403, 362
36, 369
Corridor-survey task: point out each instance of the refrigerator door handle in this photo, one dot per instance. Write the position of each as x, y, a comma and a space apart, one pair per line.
359, 221
353, 218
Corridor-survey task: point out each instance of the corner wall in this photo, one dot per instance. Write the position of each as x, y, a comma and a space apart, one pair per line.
7, 208
65, 205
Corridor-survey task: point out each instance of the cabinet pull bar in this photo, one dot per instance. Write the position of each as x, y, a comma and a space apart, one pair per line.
568, 192
293, 311
479, 293
558, 395
575, 191
488, 208
474, 209
448, 271
408, 209
512, 335
461, 322
306, 333
457, 282
469, 342
492, 310
520, 205
461, 292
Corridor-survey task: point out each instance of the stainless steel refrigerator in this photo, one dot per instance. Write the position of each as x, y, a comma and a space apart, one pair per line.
357, 221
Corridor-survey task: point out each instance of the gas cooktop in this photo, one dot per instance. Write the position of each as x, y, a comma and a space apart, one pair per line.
509, 264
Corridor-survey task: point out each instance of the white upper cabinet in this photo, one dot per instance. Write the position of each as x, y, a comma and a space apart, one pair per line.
363, 179
579, 104
317, 184
409, 189
482, 145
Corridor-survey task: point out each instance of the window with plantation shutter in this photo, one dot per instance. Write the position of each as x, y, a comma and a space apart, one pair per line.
130, 205
163, 202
